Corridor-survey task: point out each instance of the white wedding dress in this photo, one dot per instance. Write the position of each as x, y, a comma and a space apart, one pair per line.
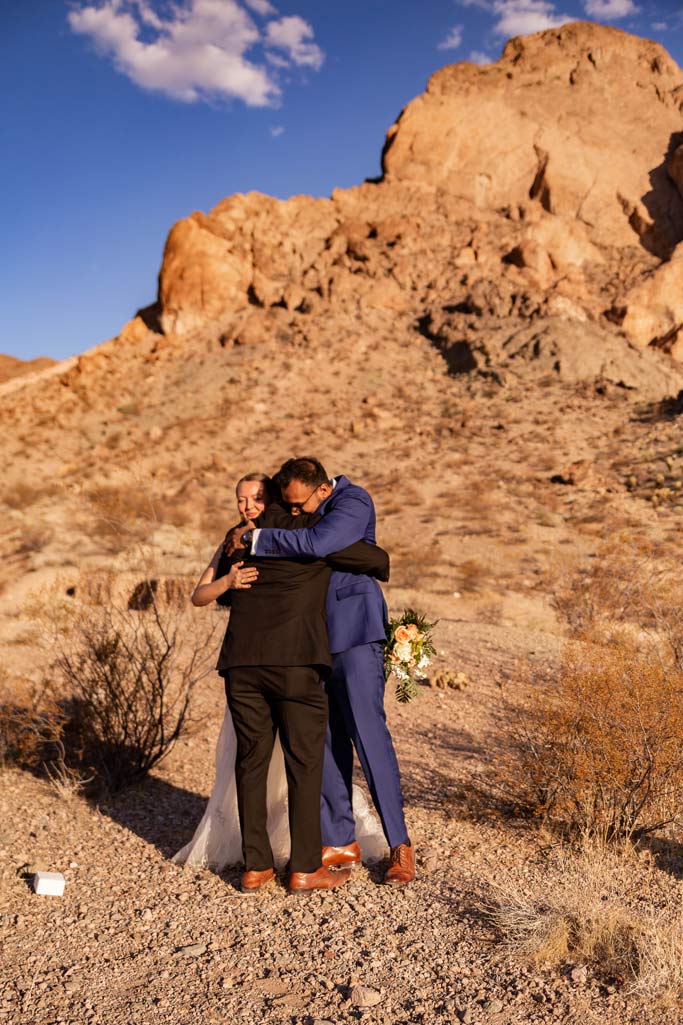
217, 840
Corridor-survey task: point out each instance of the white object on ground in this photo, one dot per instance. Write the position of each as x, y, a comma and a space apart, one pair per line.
49, 883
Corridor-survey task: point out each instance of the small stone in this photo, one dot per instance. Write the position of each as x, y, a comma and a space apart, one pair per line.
493, 1006
275, 987
192, 949
430, 863
466, 1015
286, 1000
579, 976
365, 996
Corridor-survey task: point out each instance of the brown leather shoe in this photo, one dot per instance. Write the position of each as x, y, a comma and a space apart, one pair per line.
347, 856
252, 881
321, 879
401, 865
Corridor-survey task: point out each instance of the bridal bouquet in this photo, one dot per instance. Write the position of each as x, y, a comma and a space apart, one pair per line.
407, 653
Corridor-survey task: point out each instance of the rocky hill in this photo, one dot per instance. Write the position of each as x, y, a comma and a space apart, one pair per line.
11, 367
476, 322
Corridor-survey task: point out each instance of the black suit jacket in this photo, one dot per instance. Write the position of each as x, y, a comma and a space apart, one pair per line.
280, 620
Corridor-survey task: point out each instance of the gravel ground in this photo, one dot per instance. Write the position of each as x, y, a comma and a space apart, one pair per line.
138, 939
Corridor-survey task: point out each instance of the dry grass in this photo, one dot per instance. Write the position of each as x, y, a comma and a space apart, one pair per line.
33, 538
593, 905
472, 575
121, 515
21, 495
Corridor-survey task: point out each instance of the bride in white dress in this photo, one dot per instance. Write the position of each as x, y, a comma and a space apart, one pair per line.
217, 840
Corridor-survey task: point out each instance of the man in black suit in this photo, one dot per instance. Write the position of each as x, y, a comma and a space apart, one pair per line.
274, 658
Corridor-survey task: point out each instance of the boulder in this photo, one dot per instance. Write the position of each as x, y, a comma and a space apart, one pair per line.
652, 312
558, 120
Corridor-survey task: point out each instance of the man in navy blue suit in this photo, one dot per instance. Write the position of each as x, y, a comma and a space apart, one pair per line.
356, 623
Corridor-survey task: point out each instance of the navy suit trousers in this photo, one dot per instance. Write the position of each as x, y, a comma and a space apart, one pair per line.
357, 719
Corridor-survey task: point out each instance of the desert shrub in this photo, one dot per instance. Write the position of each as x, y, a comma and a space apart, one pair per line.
30, 732
601, 751
121, 515
598, 740
472, 575
33, 538
21, 495
126, 663
627, 582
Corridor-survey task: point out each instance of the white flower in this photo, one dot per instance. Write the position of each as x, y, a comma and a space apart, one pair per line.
404, 650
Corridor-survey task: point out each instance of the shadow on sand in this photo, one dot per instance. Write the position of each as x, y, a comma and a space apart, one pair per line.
162, 814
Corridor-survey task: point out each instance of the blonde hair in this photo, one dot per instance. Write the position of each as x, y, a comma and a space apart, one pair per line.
262, 478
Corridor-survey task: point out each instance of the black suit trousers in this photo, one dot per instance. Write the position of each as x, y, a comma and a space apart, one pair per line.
264, 700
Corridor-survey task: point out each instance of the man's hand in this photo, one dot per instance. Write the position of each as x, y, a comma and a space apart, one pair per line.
233, 539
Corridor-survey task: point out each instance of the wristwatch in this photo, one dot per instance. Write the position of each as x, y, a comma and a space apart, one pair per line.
247, 536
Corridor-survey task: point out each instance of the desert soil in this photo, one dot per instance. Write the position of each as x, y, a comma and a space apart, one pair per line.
478, 543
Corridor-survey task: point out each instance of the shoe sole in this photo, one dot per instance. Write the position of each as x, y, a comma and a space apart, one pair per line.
342, 865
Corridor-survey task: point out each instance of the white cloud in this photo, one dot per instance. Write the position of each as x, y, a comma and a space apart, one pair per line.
521, 17
477, 57
609, 9
199, 50
660, 26
452, 40
294, 35
260, 7
277, 130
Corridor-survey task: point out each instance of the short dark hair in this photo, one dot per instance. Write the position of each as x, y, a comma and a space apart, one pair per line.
308, 470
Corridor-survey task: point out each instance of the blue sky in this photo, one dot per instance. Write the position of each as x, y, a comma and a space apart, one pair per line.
122, 116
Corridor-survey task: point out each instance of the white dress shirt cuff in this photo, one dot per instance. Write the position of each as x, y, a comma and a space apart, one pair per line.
254, 540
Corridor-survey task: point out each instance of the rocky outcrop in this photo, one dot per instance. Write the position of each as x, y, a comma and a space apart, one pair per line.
652, 311
560, 119
548, 185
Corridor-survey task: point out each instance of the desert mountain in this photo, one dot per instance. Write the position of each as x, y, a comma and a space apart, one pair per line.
489, 339
480, 320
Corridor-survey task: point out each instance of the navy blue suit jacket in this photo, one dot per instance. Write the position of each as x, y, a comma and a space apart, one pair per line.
356, 610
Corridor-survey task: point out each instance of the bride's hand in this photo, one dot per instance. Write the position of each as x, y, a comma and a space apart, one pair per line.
241, 577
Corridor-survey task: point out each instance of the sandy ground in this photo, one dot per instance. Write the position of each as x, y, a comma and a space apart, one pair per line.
485, 495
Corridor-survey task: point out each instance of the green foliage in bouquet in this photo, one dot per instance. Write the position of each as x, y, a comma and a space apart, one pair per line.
408, 652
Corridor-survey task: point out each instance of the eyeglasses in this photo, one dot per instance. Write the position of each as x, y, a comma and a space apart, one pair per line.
291, 506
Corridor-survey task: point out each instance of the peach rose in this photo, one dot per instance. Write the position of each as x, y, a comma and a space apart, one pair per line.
413, 632
402, 635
